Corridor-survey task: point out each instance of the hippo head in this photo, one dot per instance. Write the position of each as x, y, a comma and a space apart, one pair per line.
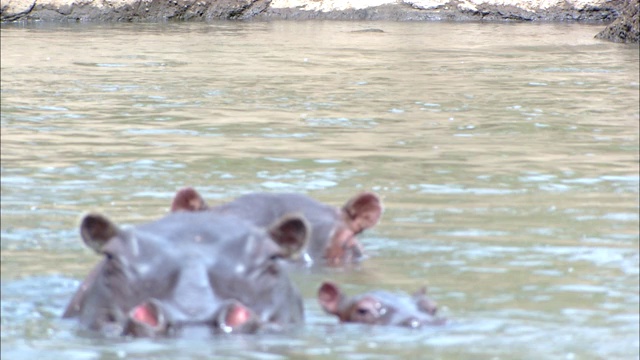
187, 271
334, 230
379, 307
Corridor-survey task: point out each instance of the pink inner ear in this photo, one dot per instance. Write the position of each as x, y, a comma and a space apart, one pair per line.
145, 314
329, 297
237, 316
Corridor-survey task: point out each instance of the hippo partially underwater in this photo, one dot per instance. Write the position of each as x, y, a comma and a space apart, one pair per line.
213, 270
188, 271
333, 239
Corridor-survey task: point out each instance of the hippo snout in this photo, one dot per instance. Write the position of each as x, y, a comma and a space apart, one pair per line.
151, 319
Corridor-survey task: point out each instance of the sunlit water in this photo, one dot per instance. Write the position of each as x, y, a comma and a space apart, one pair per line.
506, 156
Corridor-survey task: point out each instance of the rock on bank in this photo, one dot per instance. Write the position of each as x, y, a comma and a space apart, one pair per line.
593, 11
158, 10
128, 10
626, 28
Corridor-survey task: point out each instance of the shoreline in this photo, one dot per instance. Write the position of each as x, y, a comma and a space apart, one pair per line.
605, 12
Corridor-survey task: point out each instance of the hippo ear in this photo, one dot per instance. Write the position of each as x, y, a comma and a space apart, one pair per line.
291, 233
363, 211
96, 230
425, 303
188, 199
330, 297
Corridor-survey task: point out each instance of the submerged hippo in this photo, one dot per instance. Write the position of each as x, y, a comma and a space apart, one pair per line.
187, 271
333, 230
380, 307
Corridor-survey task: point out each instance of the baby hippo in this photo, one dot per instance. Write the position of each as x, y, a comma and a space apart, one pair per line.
333, 230
380, 307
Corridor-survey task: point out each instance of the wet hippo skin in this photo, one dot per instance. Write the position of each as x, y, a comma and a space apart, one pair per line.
333, 230
380, 307
189, 270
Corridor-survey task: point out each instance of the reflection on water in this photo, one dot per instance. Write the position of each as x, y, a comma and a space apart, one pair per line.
506, 155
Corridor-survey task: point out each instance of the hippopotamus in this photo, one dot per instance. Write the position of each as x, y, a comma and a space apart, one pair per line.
189, 271
380, 307
333, 230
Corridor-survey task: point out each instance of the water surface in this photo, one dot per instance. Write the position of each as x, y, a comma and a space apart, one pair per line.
506, 156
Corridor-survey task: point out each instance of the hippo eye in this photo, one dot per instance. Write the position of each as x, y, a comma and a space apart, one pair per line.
272, 265
113, 265
362, 311
363, 314
110, 255
276, 257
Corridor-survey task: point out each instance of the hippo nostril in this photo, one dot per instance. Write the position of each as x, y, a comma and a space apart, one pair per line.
412, 323
147, 313
235, 317
146, 319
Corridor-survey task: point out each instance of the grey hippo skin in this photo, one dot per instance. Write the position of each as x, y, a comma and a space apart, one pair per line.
380, 307
333, 238
189, 273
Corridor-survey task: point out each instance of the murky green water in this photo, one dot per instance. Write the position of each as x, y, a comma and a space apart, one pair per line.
506, 155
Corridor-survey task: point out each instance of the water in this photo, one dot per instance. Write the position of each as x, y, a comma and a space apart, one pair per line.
506, 156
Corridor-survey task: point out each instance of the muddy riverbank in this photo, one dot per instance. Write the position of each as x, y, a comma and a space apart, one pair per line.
162, 10
590, 11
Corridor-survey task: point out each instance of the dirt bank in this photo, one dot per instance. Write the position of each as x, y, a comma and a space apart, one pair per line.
591, 11
626, 28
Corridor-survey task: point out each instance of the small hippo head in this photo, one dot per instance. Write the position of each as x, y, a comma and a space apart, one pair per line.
380, 307
189, 270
